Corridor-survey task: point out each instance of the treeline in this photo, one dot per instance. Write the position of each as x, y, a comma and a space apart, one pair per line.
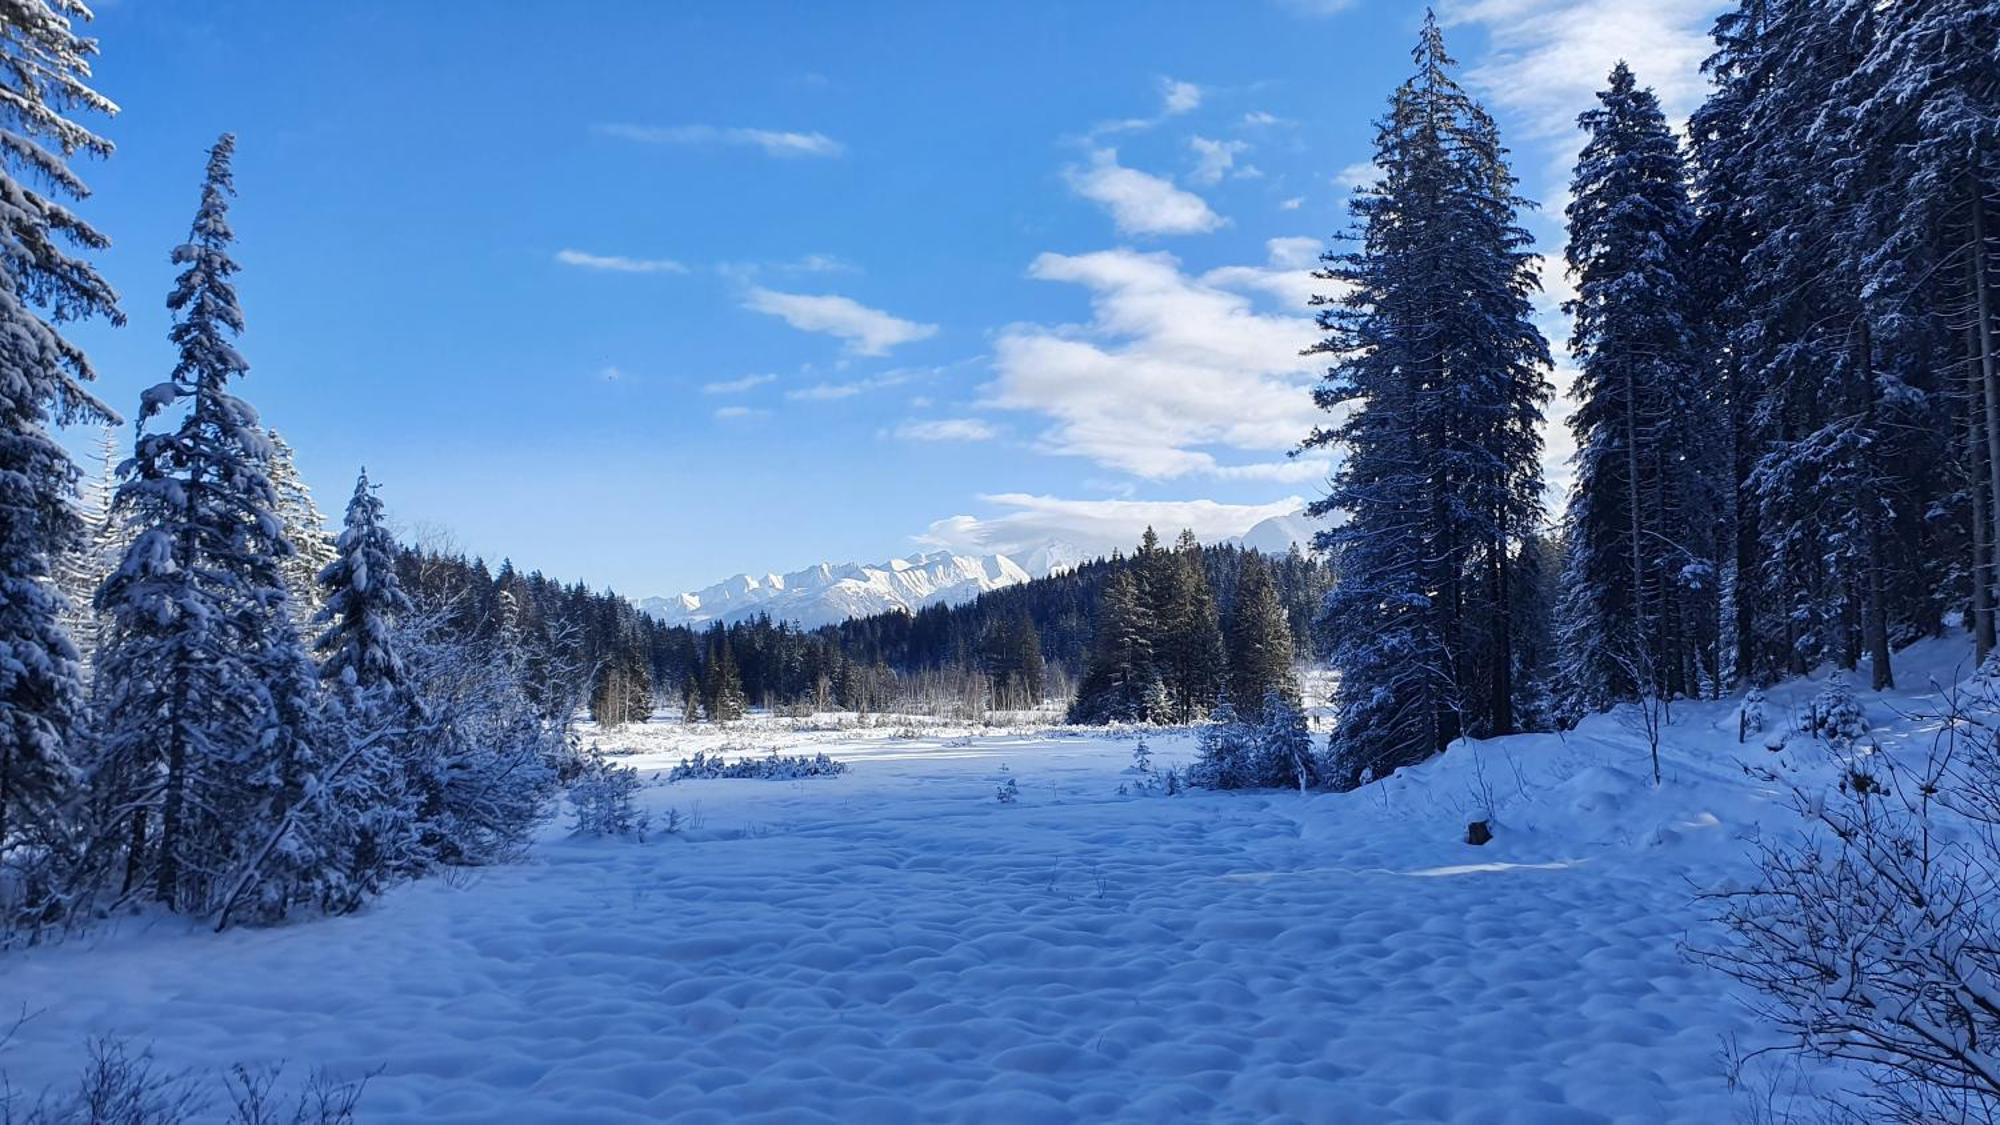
1788, 451
206, 703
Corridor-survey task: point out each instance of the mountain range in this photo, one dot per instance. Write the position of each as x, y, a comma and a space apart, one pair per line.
833, 592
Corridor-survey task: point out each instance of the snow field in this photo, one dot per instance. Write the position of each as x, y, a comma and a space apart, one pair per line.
896, 945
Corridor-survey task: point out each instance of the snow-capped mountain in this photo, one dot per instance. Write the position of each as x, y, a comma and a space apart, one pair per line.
1276, 536
831, 593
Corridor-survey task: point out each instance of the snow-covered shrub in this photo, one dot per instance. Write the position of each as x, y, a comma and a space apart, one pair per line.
602, 798
772, 767
1833, 716
119, 1086
1142, 758
1750, 715
1874, 937
1009, 792
1274, 753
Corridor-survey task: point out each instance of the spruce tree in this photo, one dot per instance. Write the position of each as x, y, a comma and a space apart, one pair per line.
42, 284
305, 529
722, 680
1191, 654
210, 731
1640, 515
1260, 644
1440, 378
1121, 683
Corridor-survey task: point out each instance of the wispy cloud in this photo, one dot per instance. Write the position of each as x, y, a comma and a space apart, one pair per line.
829, 392
1170, 368
1292, 204
1177, 97
1215, 159
1139, 202
728, 413
1316, 7
618, 264
773, 142
1547, 58
947, 429
867, 331
1095, 527
737, 386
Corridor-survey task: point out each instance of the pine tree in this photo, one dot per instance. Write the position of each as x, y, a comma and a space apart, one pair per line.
1191, 656
47, 68
1441, 377
1260, 645
722, 680
305, 529
210, 725
1644, 502
83, 569
1121, 684
391, 797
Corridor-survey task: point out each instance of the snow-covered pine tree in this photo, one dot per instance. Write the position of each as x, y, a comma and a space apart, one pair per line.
305, 530
391, 797
1639, 575
82, 570
1441, 377
1260, 644
210, 741
1190, 652
722, 680
1121, 683
46, 68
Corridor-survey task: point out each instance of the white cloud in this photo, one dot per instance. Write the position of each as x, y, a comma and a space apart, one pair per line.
1292, 204
1097, 527
1359, 174
946, 429
617, 264
726, 413
1178, 97
1139, 202
1259, 119
1548, 58
828, 392
1214, 159
773, 142
1288, 276
736, 386
867, 331
1169, 368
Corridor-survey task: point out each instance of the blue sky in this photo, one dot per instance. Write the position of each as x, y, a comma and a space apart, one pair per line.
648, 294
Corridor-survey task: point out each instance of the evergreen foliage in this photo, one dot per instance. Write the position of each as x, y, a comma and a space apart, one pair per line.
45, 70
1440, 376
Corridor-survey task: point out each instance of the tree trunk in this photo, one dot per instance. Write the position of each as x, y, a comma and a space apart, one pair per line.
1982, 556
1989, 378
1503, 656
1641, 624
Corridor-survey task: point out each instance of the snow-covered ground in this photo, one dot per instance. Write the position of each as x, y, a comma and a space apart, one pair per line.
896, 944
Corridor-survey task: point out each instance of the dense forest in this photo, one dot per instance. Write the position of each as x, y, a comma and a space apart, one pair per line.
1009, 649
1787, 412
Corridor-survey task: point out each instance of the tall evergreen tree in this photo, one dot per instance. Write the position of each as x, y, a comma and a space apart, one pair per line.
1121, 683
391, 799
722, 680
1260, 645
305, 529
1192, 659
45, 70
209, 722
1640, 516
1441, 377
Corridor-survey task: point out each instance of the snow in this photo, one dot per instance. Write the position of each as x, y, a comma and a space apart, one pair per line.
896, 944
828, 593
